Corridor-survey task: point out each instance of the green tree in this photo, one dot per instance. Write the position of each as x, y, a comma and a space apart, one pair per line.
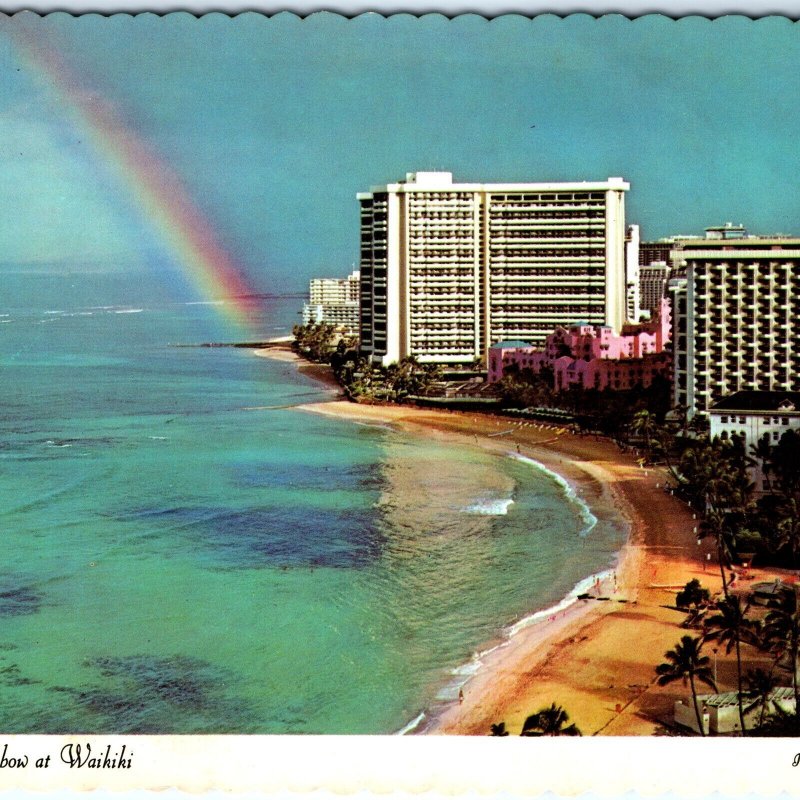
644, 425
694, 598
786, 462
758, 687
787, 531
782, 631
550, 721
686, 663
693, 594
730, 626
317, 342
762, 452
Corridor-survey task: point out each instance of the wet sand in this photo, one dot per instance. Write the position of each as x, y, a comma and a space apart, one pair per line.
282, 351
597, 658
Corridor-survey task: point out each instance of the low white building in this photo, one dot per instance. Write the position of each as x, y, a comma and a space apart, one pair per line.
720, 712
752, 415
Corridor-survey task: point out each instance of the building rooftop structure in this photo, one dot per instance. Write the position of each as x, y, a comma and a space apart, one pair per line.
435, 181
512, 343
759, 401
728, 699
726, 231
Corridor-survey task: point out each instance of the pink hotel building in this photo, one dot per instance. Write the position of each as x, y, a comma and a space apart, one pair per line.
593, 356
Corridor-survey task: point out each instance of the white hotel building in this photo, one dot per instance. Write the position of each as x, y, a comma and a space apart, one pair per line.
736, 318
753, 415
448, 269
334, 301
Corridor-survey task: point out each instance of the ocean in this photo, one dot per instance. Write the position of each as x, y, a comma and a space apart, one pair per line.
185, 552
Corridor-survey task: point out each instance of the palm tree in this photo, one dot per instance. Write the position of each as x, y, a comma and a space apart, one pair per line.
759, 687
787, 532
685, 663
644, 424
728, 627
498, 729
782, 630
762, 451
715, 524
549, 722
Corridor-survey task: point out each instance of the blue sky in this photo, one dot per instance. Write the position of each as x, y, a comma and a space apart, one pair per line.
275, 123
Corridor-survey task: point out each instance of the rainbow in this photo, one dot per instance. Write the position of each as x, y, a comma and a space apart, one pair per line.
153, 185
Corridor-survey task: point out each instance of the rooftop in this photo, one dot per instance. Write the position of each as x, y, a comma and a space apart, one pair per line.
439, 181
759, 401
512, 343
730, 698
749, 243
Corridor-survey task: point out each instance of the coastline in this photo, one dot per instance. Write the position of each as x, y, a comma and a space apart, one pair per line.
594, 658
281, 350
489, 681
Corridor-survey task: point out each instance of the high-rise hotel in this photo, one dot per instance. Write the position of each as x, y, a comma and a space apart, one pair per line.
737, 318
448, 269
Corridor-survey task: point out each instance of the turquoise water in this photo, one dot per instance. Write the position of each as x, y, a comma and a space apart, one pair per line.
176, 560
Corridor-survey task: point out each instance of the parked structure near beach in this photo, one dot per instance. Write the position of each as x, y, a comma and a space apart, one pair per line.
449, 268
335, 301
736, 318
720, 712
593, 356
753, 415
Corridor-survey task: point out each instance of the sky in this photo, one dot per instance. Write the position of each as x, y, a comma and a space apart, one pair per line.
270, 126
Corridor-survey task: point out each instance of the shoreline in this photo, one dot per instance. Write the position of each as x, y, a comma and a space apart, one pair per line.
281, 350
594, 658
533, 636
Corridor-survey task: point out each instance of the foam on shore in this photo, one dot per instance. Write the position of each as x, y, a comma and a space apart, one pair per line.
589, 519
492, 508
463, 673
412, 726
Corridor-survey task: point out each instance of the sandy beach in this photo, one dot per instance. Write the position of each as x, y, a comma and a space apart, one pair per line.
281, 350
597, 657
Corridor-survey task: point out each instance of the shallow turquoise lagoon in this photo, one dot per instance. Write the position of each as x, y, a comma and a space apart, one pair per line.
177, 561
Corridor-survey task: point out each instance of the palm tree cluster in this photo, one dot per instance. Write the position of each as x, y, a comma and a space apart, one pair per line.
361, 380
731, 624
316, 342
551, 720
608, 412
365, 382
713, 476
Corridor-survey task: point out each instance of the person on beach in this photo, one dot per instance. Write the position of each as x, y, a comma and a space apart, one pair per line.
460, 696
